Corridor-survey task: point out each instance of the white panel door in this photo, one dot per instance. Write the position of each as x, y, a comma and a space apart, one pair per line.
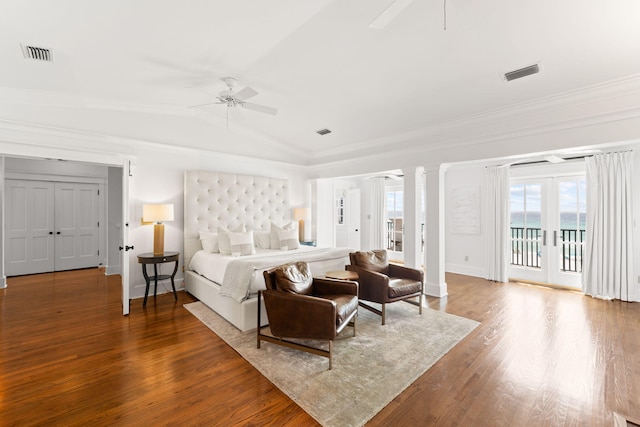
76, 218
353, 218
29, 227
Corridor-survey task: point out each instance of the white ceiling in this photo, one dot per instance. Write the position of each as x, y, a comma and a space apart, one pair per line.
131, 68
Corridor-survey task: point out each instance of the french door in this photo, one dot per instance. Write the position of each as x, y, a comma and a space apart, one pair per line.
548, 222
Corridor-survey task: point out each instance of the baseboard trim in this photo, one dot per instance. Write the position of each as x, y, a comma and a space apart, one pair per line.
438, 290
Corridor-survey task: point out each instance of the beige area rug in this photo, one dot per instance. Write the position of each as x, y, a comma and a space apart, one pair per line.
369, 370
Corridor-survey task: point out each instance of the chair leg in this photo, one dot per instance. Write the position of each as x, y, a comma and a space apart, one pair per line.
420, 303
330, 354
383, 313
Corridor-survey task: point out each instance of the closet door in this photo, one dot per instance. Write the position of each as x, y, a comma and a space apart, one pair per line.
29, 227
76, 220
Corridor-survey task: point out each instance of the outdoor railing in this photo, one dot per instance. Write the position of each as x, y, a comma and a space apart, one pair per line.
394, 237
526, 244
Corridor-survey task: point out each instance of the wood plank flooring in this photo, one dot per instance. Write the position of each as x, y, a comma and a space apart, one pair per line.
539, 357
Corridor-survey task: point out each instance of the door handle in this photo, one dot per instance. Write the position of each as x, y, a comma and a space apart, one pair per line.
544, 238
51, 232
126, 248
555, 237
57, 232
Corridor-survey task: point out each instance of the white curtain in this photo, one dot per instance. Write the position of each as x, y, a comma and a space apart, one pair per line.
497, 208
608, 268
377, 209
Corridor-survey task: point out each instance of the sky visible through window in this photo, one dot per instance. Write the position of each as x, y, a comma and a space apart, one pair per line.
526, 204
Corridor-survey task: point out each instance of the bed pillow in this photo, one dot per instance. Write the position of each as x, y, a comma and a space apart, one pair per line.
241, 243
224, 243
262, 239
275, 240
209, 241
288, 239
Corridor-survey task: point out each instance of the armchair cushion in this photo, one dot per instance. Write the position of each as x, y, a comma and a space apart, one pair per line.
375, 260
295, 278
399, 287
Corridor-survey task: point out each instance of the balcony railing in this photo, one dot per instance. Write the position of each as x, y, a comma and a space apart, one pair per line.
395, 231
526, 244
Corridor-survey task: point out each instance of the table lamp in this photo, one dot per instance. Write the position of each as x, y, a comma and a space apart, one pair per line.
300, 215
158, 214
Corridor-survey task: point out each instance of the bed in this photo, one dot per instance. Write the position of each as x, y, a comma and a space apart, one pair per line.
224, 210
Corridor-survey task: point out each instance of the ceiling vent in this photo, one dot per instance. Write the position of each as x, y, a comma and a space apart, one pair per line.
522, 72
323, 131
37, 53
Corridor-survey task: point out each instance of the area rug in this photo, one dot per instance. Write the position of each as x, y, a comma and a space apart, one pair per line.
369, 370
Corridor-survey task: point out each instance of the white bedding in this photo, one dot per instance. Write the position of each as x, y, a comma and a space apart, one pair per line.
241, 277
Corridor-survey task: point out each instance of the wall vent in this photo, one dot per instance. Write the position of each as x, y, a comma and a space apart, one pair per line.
323, 131
37, 53
522, 72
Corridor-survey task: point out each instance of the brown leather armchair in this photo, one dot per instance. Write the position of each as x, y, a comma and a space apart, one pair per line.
383, 283
300, 306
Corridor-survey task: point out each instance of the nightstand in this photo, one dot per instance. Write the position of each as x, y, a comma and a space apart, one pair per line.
150, 258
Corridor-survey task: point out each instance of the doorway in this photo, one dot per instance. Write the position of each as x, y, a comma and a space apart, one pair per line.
548, 223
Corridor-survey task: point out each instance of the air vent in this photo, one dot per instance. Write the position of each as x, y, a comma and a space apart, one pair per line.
522, 72
323, 131
37, 53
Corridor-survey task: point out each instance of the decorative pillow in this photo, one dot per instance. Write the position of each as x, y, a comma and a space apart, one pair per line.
375, 260
241, 243
224, 243
262, 239
209, 241
288, 239
295, 278
275, 241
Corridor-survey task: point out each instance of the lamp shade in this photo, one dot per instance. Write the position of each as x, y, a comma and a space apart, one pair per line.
301, 213
157, 213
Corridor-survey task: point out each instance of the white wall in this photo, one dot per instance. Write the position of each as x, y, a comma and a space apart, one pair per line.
465, 253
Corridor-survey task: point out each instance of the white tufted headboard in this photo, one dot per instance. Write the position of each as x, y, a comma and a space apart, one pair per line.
213, 199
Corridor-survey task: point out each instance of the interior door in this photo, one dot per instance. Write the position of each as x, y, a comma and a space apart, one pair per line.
353, 218
76, 230
548, 222
29, 227
127, 182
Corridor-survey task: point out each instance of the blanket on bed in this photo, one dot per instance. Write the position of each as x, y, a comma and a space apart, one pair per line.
237, 276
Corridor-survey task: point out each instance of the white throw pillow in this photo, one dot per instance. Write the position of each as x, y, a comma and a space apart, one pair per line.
262, 239
209, 241
224, 243
275, 240
242, 243
288, 239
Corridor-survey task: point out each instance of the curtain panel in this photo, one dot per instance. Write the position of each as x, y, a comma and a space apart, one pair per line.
497, 208
608, 269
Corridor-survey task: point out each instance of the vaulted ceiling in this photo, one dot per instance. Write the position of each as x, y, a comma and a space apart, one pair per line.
133, 69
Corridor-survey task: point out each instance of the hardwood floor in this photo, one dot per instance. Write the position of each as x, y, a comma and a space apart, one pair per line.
539, 357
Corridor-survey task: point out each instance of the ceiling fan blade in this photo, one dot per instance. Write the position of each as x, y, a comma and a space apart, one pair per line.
260, 108
246, 93
389, 14
202, 105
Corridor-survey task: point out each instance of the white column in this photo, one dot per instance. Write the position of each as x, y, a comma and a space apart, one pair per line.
435, 232
412, 239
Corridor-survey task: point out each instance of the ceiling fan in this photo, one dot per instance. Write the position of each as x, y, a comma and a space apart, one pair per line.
239, 99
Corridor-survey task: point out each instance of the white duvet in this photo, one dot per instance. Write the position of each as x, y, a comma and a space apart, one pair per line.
240, 277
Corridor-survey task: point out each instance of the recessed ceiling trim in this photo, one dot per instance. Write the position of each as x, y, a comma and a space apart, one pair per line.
37, 53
